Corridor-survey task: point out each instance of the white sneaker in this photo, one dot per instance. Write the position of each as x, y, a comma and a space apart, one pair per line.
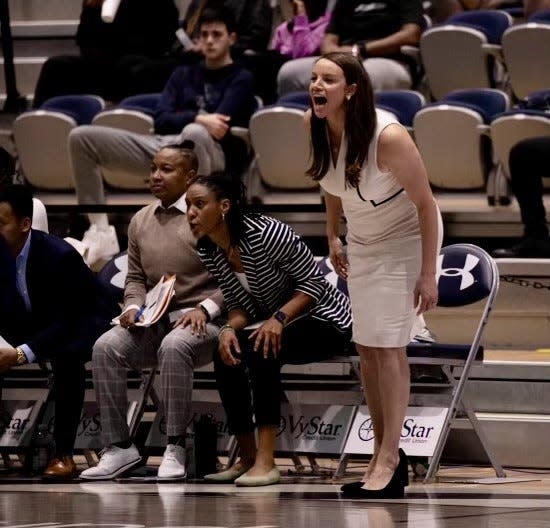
101, 244
113, 462
173, 463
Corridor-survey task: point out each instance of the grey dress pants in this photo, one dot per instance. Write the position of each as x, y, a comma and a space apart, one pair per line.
176, 353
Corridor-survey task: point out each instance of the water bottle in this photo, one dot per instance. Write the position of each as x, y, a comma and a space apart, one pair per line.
42, 449
206, 446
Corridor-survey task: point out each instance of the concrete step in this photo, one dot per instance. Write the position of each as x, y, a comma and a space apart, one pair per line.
40, 10
44, 28
43, 47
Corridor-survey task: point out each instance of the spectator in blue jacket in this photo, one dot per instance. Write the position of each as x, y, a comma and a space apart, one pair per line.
200, 103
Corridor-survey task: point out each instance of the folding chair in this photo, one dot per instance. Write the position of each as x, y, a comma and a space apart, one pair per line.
466, 274
460, 53
41, 138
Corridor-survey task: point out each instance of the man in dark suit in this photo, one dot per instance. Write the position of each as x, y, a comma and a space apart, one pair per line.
51, 309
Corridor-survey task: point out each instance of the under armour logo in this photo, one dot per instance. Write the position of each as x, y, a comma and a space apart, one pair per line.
467, 279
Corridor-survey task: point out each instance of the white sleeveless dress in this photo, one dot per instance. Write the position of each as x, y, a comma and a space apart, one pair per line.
384, 248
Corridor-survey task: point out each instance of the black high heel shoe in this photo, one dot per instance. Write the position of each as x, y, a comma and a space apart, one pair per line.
394, 489
350, 486
402, 468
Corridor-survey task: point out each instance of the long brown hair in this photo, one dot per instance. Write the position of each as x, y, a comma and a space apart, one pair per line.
359, 127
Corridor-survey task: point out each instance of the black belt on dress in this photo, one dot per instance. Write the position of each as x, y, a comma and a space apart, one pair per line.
376, 204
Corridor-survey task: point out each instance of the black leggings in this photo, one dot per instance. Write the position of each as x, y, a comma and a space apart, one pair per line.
305, 340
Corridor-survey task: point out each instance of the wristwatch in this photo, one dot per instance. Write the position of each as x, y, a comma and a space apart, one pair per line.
280, 316
203, 309
21, 357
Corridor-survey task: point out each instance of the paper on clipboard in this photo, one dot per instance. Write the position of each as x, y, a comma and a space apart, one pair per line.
156, 302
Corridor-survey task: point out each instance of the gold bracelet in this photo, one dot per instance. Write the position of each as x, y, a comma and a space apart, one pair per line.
21, 356
224, 328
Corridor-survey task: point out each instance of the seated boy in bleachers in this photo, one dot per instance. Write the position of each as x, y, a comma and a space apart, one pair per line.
199, 103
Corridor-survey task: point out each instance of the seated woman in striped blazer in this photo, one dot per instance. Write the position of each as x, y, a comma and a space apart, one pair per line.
268, 277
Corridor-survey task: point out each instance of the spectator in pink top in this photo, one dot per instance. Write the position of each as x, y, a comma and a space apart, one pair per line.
302, 36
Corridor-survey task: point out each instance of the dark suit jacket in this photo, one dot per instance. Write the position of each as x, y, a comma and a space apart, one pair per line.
69, 309
7, 283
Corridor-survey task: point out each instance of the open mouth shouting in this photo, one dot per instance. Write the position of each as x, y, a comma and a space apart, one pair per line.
319, 100
319, 104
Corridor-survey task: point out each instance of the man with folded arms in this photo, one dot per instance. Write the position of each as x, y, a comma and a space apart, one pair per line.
51, 309
159, 242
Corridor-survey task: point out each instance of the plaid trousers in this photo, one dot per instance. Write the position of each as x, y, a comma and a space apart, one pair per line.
176, 353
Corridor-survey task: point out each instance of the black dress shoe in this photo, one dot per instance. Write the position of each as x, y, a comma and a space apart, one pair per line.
527, 248
394, 489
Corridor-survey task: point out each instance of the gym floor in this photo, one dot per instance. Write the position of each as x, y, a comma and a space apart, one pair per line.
462, 498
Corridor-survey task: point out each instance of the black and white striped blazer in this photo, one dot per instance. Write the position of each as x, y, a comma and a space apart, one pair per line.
277, 264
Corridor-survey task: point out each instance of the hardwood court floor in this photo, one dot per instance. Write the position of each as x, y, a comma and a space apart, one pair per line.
312, 502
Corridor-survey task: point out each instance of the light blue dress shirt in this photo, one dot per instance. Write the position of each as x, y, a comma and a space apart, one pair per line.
21, 281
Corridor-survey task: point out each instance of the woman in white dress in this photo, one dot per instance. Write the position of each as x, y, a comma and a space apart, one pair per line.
372, 173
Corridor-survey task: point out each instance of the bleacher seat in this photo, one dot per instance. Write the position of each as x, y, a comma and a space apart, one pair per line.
41, 139
452, 136
526, 53
542, 16
134, 114
281, 151
301, 99
403, 104
460, 53
509, 128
